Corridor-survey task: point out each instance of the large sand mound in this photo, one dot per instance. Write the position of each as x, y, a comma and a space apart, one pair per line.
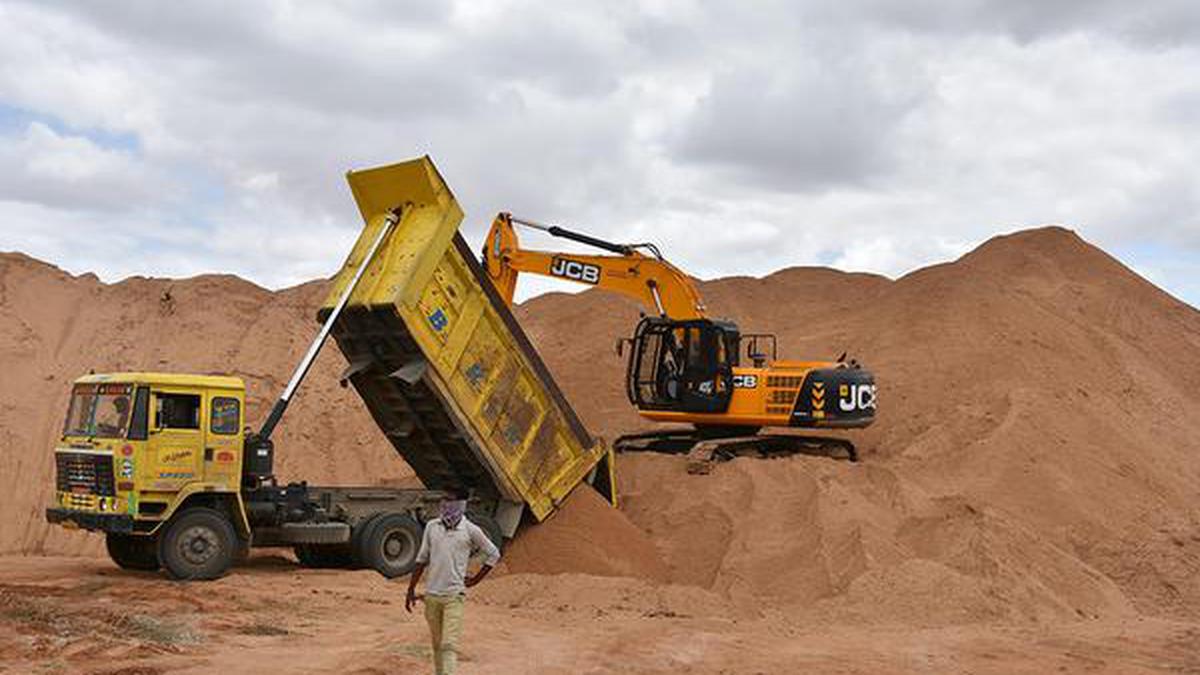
1036, 453
1035, 457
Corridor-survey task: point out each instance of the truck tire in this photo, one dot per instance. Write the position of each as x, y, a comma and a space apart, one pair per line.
324, 556
359, 536
390, 544
199, 543
131, 552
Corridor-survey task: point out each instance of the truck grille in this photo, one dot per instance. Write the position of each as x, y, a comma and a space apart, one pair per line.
79, 472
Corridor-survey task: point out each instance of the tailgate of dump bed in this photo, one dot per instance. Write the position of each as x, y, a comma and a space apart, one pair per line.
439, 360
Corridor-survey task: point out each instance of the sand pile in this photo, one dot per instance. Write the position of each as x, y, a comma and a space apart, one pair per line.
586, 536
1035, 457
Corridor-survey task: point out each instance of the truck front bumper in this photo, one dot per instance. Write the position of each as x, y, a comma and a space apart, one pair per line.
101, 522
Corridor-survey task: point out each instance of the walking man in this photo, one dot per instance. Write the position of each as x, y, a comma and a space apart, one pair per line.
447, 545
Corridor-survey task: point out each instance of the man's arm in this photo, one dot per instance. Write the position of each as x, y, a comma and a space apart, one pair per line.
481, 542
410, 598
478, 576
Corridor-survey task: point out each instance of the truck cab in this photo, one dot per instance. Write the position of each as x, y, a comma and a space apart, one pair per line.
136, 448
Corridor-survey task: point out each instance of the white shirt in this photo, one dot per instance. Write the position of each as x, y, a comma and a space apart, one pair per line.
446, 552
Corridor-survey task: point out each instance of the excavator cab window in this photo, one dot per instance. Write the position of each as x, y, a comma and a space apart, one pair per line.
685, 366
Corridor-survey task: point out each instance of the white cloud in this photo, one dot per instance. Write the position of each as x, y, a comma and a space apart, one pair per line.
872, 135
43, 166
893, 257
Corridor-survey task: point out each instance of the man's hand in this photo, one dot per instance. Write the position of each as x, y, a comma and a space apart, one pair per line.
410, 600
478, 576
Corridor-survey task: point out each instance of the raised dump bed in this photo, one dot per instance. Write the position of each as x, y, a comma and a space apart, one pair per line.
440, 362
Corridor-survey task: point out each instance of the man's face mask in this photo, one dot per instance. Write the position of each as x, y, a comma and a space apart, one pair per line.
452, 511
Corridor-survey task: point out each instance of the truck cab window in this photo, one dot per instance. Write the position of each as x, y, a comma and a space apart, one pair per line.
177, 411
99, 411
137, 422
225, 415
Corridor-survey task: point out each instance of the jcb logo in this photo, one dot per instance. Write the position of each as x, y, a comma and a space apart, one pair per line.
853, 397
575, 270
745, 381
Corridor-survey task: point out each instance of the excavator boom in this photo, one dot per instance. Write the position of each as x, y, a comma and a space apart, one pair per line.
657, 284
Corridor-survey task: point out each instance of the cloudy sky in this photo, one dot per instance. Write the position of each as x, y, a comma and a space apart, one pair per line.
178, 138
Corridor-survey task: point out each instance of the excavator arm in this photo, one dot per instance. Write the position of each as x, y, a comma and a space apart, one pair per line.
660, 286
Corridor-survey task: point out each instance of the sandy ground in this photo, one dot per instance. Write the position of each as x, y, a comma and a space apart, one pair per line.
76, 615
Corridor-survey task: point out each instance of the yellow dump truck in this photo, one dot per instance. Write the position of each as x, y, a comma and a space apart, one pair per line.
160, 462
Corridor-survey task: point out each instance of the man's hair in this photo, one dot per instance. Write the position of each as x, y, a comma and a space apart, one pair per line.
457, 492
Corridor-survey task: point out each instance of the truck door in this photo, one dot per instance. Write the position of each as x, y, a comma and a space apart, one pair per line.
176, 442
223, 439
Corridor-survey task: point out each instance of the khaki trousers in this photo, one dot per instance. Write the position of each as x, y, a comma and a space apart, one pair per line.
444, 614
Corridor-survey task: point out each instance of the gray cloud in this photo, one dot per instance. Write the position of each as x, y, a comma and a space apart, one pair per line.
797, 126
743, 138
1163, 22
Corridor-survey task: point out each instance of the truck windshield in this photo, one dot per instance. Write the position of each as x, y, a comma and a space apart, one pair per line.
99, 410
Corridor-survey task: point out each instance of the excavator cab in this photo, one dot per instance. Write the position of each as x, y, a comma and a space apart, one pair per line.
682, 366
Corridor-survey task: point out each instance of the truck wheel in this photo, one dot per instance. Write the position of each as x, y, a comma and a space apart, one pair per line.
199, 543
359, 537
131, 552
391, 544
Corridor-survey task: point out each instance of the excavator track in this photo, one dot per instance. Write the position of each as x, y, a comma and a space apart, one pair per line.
703, 451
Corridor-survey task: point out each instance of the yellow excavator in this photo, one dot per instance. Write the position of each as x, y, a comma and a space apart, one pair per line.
684, 367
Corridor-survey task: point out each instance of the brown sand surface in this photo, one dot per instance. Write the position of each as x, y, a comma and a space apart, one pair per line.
586, 536
81, 615
1028, 501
